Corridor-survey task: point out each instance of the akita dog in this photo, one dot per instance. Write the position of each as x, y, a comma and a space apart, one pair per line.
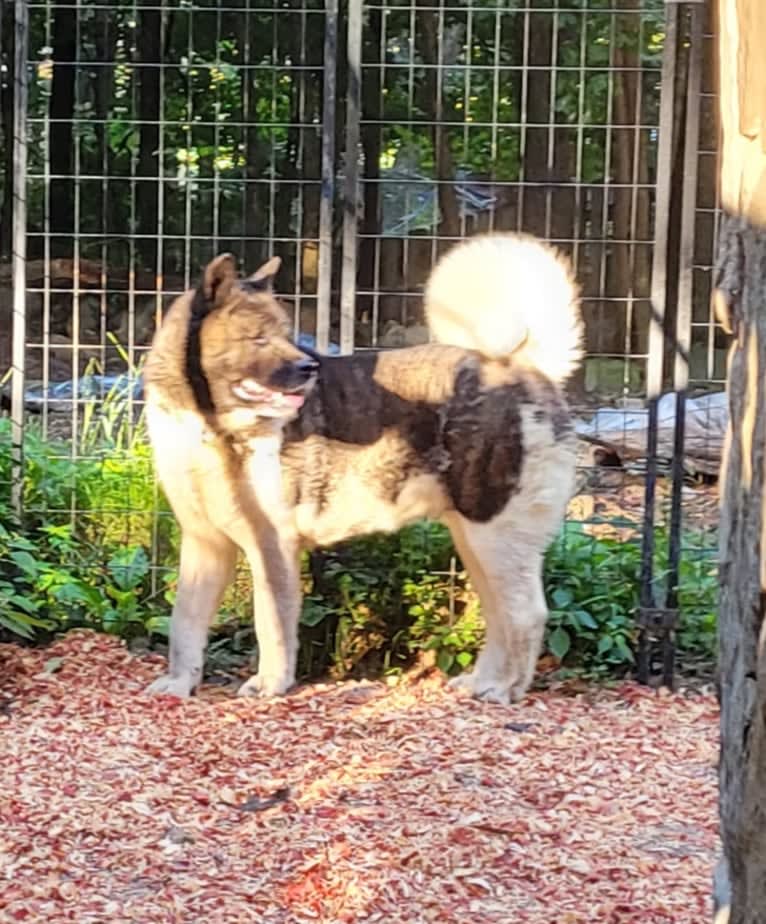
267, 448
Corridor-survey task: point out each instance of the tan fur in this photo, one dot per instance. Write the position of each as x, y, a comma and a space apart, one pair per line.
483, 444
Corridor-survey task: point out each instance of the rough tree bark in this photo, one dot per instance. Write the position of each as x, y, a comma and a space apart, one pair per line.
6, 126
427, 45
149, 109
741, 304
60, 138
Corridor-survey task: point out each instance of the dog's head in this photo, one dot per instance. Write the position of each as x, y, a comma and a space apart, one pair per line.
240, 359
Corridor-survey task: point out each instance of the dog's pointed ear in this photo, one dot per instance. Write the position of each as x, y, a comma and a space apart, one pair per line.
219, 279
263, 278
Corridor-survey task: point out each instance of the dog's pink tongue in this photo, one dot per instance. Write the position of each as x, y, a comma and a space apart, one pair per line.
295, 401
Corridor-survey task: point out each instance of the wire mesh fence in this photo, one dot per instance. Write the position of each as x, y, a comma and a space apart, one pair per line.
358, 141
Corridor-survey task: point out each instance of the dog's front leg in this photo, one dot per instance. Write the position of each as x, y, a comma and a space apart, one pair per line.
277, 606
272, 549
206, 568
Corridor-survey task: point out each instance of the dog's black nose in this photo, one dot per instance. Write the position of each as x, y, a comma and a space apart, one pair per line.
307, 365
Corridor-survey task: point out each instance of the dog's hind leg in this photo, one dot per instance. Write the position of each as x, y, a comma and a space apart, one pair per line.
505, 566
206, 568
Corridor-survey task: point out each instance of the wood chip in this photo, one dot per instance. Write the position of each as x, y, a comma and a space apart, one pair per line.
401, 804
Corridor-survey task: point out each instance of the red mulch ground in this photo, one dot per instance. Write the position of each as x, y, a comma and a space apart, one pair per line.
344, 803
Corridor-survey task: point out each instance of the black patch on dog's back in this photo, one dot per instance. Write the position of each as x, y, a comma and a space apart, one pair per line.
472, 441
349, 408
484, 441
195, 375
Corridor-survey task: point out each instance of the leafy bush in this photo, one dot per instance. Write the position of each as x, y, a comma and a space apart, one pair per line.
80, 557
50, 580
386, 598
592, 587
698, 598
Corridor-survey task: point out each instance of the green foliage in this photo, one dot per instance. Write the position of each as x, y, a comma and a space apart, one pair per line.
592, 588
51, 580
383, 599
95, 550
482, 102
698, 597
80, 557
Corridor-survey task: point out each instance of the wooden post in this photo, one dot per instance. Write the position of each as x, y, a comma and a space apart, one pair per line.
741, 305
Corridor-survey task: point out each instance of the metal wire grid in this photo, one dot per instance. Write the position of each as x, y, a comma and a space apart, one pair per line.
698, 544
548, 114
594, 198
708, 363
191, 130
160, 134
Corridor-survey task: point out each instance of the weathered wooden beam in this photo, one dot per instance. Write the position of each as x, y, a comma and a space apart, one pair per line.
741, 305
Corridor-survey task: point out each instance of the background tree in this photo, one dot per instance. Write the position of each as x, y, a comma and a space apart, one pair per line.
741, 283
60, 142
150, 42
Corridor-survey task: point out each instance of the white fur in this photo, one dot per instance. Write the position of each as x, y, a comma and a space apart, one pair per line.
504, 559
504, 294
276, 608
213, 528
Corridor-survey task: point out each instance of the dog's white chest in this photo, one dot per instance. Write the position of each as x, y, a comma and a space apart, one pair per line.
263, 473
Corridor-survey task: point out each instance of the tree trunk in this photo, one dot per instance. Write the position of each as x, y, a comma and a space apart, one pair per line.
60, 147
6, 116
742, 655
427, 45
741, 293
149, 108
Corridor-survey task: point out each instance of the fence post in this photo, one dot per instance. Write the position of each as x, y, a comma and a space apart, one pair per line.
19, 251
324, 270
658, 618
351, 178
684, 317
648, 617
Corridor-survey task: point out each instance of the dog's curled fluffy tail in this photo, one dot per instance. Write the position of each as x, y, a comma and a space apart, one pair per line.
508, 294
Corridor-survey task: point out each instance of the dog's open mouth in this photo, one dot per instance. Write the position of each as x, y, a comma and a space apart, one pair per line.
249, 390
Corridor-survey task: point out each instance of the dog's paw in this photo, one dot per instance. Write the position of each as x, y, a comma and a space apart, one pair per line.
172, 686
266, 685
491, 690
